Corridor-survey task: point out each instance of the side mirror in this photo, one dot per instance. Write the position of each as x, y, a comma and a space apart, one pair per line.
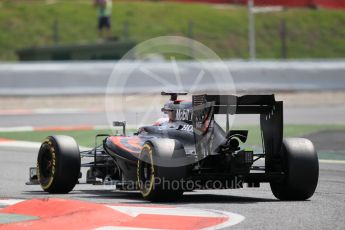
121, 124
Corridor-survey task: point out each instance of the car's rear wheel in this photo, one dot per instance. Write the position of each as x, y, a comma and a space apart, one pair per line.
156, 182
58, 164
301, 168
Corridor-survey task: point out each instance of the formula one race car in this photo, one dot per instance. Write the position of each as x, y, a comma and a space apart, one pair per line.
189, 151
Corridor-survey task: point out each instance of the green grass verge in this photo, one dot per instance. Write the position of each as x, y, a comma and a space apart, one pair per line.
84, 138
311, 33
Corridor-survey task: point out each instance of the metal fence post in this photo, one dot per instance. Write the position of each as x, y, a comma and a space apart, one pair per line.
125, 30
56, 35
251, 30
190, 35
283, 33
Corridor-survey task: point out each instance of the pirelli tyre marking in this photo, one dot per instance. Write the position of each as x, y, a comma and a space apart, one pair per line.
47, 180
144, 190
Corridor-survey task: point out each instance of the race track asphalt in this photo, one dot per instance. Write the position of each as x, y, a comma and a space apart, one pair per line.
325, 210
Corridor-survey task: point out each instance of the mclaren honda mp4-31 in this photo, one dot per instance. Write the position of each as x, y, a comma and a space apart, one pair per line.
190, 150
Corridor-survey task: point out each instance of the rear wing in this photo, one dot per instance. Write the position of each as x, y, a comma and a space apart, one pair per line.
230, 104
270, 111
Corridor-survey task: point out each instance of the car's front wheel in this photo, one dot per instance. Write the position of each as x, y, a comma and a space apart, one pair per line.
58, 164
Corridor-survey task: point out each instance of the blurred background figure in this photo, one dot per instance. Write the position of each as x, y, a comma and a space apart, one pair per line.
104, 8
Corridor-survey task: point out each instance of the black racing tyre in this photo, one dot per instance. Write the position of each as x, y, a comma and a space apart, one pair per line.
301, 168
58, 164
157, 183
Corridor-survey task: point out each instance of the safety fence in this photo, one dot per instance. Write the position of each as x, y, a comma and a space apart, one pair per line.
287, 3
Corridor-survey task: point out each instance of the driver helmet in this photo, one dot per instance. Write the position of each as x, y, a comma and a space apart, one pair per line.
169, 108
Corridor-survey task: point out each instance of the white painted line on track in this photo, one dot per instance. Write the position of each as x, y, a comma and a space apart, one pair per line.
8, 202
332, 161
29, 145
21, 144
171, 211
134, 211
53, 128
17, 129
122, 228
49, 111
320, 161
